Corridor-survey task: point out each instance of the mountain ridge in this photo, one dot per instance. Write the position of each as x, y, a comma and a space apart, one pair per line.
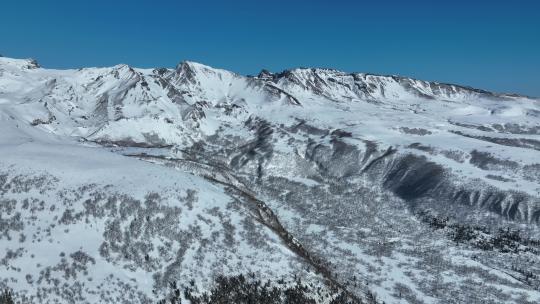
33, 62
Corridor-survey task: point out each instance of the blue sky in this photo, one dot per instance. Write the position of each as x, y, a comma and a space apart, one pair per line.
493, 45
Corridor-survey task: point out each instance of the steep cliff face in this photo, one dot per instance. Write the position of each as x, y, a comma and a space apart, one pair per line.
401, 187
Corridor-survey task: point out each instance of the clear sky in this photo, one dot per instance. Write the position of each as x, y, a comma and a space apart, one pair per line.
493, 45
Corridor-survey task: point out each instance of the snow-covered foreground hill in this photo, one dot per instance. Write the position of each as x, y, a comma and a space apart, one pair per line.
115, 182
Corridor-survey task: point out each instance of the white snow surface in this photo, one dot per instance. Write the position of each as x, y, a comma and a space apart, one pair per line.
54, 125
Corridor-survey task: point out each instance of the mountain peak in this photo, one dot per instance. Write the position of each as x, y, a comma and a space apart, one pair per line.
28, 63
188, 65
265, 74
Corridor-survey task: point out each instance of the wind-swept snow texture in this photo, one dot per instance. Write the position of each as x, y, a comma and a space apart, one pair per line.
115, 182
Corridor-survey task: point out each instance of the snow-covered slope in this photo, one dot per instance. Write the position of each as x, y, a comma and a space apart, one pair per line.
377, 176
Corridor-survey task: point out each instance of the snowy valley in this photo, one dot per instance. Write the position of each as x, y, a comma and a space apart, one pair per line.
116, 182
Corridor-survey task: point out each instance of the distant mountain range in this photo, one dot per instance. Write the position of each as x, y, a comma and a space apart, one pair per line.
116, 182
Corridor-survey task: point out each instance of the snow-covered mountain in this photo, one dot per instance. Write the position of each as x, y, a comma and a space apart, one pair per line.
123, 179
